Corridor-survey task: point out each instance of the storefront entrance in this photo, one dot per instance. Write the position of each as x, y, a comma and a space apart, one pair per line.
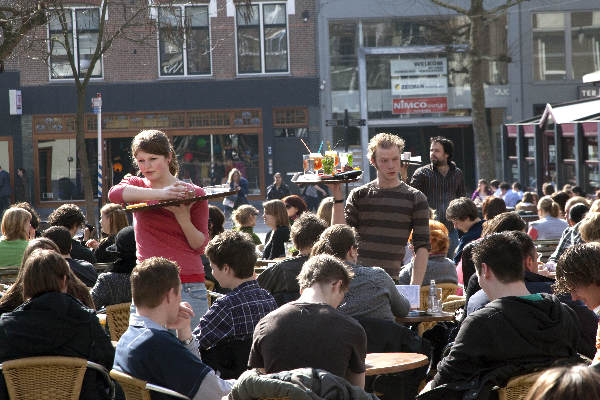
417, 141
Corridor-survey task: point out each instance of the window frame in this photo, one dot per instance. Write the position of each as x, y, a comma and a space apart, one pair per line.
261, 26
184, 46
568, 42
75, 44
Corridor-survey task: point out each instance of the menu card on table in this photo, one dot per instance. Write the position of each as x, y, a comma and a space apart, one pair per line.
412, 293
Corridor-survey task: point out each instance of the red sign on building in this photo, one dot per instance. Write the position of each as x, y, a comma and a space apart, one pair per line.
420, 105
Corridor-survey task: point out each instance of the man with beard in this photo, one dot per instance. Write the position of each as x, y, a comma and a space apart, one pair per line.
441, 181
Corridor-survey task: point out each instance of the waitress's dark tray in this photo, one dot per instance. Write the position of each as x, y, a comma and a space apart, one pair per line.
167, 203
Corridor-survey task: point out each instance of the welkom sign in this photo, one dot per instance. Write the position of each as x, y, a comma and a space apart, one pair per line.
419, 85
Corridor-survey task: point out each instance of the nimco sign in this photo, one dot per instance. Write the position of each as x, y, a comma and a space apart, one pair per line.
420, 105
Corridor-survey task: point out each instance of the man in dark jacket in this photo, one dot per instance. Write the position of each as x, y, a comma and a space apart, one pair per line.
536, 283
278, 190
280, 279
516, 332
71, 217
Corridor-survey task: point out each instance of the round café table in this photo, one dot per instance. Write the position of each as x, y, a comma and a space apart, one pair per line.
433, 317
388, 363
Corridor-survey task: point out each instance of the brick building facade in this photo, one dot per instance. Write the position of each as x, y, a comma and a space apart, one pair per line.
242, 103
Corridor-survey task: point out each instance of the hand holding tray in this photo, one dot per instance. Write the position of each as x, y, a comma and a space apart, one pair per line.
213, 195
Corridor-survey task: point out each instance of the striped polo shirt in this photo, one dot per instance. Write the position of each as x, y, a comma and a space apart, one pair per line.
384, 219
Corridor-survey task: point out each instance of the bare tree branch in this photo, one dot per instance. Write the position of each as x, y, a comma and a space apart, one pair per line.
504, 7
458, 9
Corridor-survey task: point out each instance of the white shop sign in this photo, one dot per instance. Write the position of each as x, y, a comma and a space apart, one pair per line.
419, 76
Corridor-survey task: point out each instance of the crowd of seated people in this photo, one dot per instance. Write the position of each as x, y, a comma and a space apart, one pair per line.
310, 309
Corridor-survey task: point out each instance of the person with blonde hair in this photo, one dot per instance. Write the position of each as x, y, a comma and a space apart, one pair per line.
590, 227
577, 382
112, 219
13, 297
237, 182
276, 218
549, 226
384, 210
325, 210
178, 233
439, 267
15, 236
570, 237
244, 218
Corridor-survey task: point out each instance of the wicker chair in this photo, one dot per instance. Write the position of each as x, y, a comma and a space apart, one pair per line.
447, 290
50, 377
545, 248
137, 389
117, 317
210, 287
518, 387
453, 305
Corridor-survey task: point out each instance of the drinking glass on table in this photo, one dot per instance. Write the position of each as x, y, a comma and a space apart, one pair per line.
333, 154
328, 164
307, 164
317, 161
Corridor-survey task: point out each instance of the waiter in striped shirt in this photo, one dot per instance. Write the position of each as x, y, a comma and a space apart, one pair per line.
441, 181
385, 211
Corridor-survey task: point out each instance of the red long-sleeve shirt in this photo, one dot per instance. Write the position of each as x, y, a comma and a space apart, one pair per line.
157, 233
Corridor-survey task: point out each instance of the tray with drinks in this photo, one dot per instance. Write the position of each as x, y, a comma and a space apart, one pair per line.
212, 192
339, 177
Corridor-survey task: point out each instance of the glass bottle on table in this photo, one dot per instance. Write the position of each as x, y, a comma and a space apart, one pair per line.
432, 301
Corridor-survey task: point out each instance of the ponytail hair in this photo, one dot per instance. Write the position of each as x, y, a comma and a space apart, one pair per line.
549, 206
155, 142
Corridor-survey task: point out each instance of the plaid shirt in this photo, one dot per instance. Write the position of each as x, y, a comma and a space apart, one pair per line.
234, 315
570, 237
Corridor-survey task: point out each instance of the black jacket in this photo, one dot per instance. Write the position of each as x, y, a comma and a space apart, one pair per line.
274, 193
56, 324
80, 252
274, 242
280, 279
535, 283
508, 335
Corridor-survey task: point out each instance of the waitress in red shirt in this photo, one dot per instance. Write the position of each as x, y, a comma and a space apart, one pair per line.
178, 233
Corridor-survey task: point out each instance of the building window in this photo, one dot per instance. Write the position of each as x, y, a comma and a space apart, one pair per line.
184, 40
262, 43
290, 122
84, 22
549, 61
552, 58
585, 42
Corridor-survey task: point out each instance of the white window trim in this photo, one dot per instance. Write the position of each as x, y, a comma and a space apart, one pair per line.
262, 42
184, 54
75, 46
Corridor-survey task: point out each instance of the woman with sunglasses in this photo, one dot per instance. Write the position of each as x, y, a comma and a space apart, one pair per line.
294, 206
276, 217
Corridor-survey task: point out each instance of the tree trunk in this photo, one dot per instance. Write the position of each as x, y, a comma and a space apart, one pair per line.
483, 147
88, 193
